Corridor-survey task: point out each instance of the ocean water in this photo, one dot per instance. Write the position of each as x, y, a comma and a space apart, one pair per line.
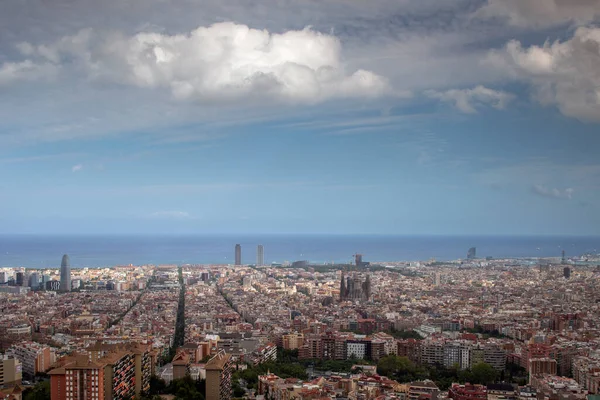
99, 251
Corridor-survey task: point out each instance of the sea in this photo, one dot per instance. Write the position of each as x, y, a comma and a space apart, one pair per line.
33, 251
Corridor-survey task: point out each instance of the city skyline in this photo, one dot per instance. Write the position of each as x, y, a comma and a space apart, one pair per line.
409, 117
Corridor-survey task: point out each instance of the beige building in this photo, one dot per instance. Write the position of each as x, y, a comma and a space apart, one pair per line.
218, 377
293, 341
10, 372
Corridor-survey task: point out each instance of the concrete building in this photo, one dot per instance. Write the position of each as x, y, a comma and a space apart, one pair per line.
238, 254
103, 372
10, 371
20, 278
34, 280
358, 349
181, 365
33, 356
467, 392
79, 379
65, 274
218, 377
260, 255
545, 365
423, 390
292, 341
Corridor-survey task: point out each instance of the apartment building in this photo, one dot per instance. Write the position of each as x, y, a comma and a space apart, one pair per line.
10, 371
34, 357
103, 371
77, 379
292, 341
218, 377
423, 389
467, 392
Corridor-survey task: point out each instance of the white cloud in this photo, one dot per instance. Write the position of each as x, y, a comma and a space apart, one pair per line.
541, 13
468, 100
11, 72
180, 215
565, 74
77, 168
553, 192
224, 61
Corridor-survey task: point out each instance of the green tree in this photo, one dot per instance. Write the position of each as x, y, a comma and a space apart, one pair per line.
483, 373
40, 391
157, 385
394, 366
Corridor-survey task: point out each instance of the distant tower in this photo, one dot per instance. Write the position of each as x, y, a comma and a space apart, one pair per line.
65, 274
472, 253
367, 288
350, 288
260, 255
238, 254
567, 272
343, 287
20, 278
564, 260
358, 260
34, 280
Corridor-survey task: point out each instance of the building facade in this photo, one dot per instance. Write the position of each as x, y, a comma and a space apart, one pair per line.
218, 377
65, 274
260, 255
238, 254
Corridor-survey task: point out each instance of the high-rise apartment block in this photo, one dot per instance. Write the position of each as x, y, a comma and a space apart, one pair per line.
260, 255
104, 372
238, 254
33, 356
19, 278
218, 377
10, 371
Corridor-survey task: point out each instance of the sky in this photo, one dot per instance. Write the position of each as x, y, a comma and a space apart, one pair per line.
443, 117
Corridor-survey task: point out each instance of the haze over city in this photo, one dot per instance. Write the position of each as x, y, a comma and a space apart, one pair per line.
387, 117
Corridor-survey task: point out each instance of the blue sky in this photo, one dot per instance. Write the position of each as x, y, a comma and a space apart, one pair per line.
405, 117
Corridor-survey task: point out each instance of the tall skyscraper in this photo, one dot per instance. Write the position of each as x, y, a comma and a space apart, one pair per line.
218, 377
472, 253
567, 272
20, 278
34, 280
238, 254
65, 274
260, 255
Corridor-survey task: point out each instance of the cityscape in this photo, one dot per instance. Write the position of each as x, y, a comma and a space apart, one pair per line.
469, 329
299, 200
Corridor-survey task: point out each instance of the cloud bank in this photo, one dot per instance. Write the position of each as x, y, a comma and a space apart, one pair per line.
77, 168
541, 13
174, 215
553, 193
467, 100
565, 74
223, 61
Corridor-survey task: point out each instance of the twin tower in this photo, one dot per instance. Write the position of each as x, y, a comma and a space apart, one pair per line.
260, 255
